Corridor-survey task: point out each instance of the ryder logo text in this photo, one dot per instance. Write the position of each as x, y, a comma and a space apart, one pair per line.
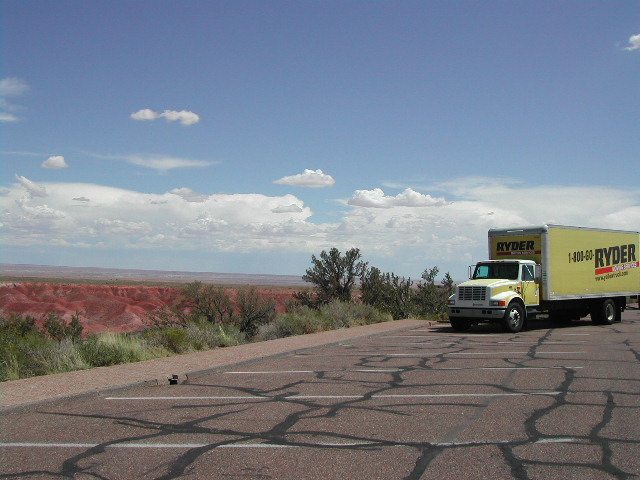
615, 259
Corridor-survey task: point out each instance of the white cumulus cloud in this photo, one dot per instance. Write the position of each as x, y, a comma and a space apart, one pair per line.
145, 114
185, 117
119, 218
404, 233
32, 188
189, 195
293, 208
55, 162
308, 178
634, 43
409, 198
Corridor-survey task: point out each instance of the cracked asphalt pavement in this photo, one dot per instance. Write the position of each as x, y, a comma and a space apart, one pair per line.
419, 403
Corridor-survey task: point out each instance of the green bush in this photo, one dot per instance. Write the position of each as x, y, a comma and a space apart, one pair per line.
206, 301
254, 310
18, 325
228, 336
17, 355
64, 356
431, 299
171, 339
58, 329
301, 321
113, 349
335, 275
345, 314
387, 292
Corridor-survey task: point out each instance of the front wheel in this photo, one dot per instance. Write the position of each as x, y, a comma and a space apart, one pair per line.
513, 320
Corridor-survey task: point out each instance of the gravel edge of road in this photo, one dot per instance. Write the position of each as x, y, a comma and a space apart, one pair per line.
31, 392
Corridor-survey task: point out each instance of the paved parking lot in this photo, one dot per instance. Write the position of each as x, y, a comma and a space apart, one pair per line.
421, 403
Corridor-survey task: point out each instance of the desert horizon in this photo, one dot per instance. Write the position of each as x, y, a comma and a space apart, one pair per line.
29, 271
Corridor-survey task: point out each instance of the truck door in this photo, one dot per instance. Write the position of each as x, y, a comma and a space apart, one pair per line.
529, 289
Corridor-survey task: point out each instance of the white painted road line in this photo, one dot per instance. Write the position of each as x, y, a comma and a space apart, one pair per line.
359, 370
461, 345
294, 444
561, 440
409, 336
394, 370
500, 353
505, 368
146, 445
428, 354
270, 372
339, 397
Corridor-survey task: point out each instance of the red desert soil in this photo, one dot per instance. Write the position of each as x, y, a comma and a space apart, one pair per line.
104, 308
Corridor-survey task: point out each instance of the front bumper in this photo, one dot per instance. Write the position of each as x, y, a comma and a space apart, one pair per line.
479, 313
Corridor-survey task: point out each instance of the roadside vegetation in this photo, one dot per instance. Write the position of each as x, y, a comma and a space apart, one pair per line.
346, 292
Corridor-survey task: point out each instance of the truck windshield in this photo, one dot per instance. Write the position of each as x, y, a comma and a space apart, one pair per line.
496, 270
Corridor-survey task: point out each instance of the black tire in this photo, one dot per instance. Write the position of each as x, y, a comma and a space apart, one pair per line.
460, 324
605, 313
513, 320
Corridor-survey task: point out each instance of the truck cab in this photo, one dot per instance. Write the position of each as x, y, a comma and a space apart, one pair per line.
499, 291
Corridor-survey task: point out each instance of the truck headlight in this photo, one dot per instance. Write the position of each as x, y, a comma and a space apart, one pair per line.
451, 302
498, 303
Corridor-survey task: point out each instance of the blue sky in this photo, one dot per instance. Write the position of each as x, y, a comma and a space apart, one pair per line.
244, 136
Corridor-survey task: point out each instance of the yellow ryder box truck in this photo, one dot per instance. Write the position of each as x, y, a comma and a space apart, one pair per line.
563, 272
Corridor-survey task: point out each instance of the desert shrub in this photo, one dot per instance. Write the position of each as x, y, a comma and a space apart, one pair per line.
229, 336
387, 292
197, 335
301, 321
166, 316
304, 298
335, 275
173, 339
63, 356
23, 348
431, 299
347, 314
17, 325
254, 310
204, 335
206, 301
25, 355
9, 365
113, 349
58, 329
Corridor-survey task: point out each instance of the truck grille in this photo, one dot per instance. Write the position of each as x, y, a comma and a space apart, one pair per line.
472, 293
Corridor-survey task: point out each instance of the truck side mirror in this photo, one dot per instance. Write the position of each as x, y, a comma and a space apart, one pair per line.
538, 274
470, 269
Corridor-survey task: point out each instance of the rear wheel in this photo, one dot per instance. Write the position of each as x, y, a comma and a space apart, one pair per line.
513, 320
460, 324
605, 313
